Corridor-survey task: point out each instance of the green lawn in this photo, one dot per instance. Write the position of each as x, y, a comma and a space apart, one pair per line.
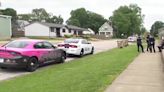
89, 74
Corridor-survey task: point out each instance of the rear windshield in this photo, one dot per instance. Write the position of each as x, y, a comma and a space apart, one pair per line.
71, 41
17, 44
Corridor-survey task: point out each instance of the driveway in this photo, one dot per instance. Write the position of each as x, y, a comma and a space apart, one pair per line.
100, 46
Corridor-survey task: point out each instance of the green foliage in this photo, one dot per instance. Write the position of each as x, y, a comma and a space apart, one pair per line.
89, 74
41, 15
86, 19
155, 27
68, 36
127, 20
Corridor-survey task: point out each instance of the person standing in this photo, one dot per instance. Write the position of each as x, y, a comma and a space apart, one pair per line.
152, 44
139, 44
148, 42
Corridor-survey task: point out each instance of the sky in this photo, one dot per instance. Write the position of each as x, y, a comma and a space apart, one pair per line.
152, 9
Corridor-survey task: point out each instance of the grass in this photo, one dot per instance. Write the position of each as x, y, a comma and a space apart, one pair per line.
89, 74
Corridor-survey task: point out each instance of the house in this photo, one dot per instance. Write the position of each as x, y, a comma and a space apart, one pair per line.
106, 29
20, 28
51, 30
22, 24
5, 27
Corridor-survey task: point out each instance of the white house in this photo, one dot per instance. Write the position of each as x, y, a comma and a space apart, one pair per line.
42, 29
106, 29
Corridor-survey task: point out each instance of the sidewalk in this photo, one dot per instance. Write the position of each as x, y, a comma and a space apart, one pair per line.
144, 74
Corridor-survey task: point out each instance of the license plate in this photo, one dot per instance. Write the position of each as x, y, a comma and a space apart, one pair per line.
1, 60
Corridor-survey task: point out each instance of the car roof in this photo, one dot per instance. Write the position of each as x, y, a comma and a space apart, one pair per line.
75, 39
30, 40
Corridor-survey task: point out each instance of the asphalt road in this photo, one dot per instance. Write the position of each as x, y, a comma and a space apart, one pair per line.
100, 46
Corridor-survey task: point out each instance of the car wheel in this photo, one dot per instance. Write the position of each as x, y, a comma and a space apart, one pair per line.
92, 51
81, 53
62, 58
32, 65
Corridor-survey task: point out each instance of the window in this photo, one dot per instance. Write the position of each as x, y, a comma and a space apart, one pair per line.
69, 30
17, 44
108, 33
71, 41
84, 42
52, 29
63, 30
102, 33
47, 45
39, 45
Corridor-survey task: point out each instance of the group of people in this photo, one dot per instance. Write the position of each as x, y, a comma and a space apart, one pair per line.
150, 40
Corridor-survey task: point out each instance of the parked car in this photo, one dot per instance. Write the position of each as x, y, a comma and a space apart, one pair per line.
77, 46
132, 39
29, 54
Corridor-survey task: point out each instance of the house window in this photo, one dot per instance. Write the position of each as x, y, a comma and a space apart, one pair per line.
52, 29
69, 30
63, 30
102, 33
108, 33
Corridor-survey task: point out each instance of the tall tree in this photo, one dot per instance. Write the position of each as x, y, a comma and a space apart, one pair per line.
40, 14
127, 20
155, 27
55, 19
86, 19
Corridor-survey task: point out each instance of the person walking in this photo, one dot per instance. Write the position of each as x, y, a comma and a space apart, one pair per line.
152, 44
139, 44
148, 42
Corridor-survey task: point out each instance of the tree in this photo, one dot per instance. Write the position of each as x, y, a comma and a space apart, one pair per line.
40, 14
155, 27
55, 19
127, 20
86, 19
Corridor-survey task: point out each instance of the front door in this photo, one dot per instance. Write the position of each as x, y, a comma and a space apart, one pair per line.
58, 32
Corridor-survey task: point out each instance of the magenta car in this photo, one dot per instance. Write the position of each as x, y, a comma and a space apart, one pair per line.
29, 54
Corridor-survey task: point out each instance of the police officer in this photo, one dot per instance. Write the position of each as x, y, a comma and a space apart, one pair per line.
139, 44
152, 44
148, 42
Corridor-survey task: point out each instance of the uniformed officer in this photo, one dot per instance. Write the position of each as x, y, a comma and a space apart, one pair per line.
139, 44
148, 42
152, 43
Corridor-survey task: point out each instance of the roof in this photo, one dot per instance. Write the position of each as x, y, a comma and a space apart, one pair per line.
30, 40
5, 16
60, 26
51, 24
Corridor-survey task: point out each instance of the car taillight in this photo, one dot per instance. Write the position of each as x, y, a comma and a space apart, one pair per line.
60, 45
73, 46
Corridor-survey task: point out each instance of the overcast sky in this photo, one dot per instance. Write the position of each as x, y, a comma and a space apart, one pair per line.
152, 9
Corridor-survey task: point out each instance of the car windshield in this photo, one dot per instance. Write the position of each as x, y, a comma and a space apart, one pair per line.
17, 44
71, 41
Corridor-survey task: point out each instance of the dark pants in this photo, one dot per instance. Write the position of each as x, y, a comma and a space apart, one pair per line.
138, 46
148, 46
152, 47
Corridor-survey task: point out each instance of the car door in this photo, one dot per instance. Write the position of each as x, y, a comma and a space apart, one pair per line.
41, 52
53, 53
86, 47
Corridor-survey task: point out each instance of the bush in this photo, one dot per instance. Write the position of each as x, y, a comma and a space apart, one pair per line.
68, 36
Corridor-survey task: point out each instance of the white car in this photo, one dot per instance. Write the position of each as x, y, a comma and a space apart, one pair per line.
77, 46
132, 39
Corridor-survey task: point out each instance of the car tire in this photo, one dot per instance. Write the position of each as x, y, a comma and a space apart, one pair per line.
81, 53
32, 64
62, 58
92, 51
